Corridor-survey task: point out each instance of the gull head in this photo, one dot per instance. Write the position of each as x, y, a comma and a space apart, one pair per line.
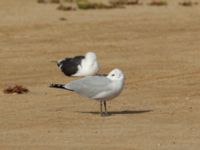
91, 56
116, 74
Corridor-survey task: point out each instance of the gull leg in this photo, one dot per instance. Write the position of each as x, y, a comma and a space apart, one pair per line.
106, 113
101, 108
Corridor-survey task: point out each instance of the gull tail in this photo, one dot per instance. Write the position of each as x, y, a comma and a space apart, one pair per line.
60, 86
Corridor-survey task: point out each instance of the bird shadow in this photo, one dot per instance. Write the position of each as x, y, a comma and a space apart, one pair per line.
124, 112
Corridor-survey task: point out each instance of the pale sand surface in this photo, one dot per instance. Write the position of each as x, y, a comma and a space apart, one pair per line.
158, 49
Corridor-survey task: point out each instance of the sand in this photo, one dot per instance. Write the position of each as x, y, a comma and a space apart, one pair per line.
156, 47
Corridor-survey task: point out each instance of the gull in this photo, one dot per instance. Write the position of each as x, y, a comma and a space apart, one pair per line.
79, 65
100, 88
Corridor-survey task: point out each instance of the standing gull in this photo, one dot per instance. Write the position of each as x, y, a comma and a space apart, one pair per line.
79, 65
100, 88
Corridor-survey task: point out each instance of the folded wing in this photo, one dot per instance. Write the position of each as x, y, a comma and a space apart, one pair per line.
90, 86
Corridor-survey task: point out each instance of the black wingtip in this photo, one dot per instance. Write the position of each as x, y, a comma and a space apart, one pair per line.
60, 86
52, 85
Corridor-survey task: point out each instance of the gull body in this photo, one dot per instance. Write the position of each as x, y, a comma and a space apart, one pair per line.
100, 88
79, 65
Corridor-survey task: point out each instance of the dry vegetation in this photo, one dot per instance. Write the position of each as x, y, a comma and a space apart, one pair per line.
188, 3
48, 1
156, 47
124, 2
19, 89
85, 4
90, 4
107, 4
158, 3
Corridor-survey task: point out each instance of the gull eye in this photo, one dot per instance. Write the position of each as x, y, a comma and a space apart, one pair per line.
113, 75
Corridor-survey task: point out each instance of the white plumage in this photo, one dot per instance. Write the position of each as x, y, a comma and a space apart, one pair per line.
79, 65
101, 88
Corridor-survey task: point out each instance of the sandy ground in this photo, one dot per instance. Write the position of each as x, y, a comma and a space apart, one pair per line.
157, 48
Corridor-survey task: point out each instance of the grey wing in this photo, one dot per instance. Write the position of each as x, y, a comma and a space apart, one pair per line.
90, 86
